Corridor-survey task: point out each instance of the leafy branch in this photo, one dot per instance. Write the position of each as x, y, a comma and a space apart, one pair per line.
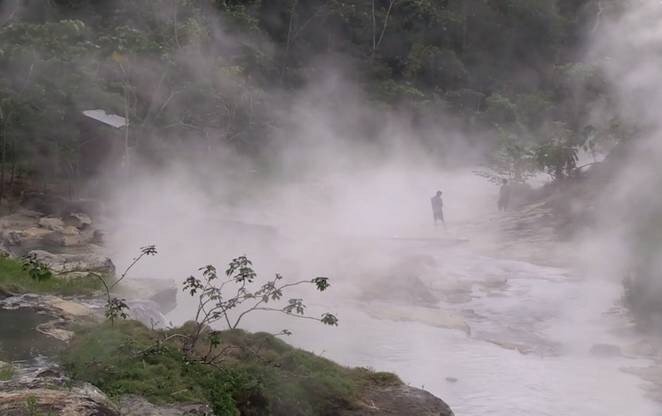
116, 307
229, 299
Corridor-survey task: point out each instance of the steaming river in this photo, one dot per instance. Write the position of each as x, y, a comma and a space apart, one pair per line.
529, 350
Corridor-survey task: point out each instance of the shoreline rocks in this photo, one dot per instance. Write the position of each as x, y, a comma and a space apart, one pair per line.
75, 263
131, 405
399, 400
26, 230
64, 313
48, 392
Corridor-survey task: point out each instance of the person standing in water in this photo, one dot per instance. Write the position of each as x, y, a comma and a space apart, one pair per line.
504, 195
438, 209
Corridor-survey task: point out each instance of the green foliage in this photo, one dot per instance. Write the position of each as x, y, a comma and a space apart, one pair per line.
513, 159
500, 110
558, 155
229, 300
6, 372
14, 279
36, 269
263, 375
494, 64
32, 408
435, 67
115, 307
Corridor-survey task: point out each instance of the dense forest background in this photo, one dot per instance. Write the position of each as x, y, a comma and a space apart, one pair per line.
510, 76
510, 82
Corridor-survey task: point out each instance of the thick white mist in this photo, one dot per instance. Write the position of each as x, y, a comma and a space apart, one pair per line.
331, 203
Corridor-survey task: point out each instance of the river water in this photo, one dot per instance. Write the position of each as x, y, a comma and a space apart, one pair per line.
531, 326
528, 351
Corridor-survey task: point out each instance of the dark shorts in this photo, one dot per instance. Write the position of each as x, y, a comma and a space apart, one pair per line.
438, 215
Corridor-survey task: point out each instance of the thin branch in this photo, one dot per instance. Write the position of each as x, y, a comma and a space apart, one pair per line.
294, 315
386, 19
126, 271
290, 26
598, 17
374, 29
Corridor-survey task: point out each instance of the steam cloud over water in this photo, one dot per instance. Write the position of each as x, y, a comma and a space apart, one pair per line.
338, 176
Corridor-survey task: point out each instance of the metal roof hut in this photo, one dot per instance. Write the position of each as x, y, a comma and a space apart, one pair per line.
103, 143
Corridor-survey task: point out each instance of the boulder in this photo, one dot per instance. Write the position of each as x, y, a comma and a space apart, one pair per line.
5, 252
31, 237
23, 218
48, 315
146, 312
51, 223
98, 237
66, 263
166, 299
70, 230
68, 308
78, 220
44, 398
398, 401
138, 406
161, 292
67, 237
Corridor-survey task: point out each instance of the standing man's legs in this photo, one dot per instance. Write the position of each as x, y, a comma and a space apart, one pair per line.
439, 216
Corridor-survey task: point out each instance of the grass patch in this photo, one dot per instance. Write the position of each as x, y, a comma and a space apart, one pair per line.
261, 376
13, 279
6, 372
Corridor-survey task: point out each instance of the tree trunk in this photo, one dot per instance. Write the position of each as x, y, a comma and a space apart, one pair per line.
465, 23
126, 129
3, 131
374, 31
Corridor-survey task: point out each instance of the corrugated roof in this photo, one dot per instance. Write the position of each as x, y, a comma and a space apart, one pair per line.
110, 119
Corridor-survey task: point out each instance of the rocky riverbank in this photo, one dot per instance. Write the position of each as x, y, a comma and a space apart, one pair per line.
65, 313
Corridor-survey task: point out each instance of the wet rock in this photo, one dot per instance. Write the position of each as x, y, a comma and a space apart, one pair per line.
163, 293
606, 350
166, 299
451, 379
23, 218
50, 223
31, 237
147, 313
47, 398
67, 263
57, 315
4, 294
68, 308
50, 373
98, 237
68, 237
138, 406
398, 401
78, 220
